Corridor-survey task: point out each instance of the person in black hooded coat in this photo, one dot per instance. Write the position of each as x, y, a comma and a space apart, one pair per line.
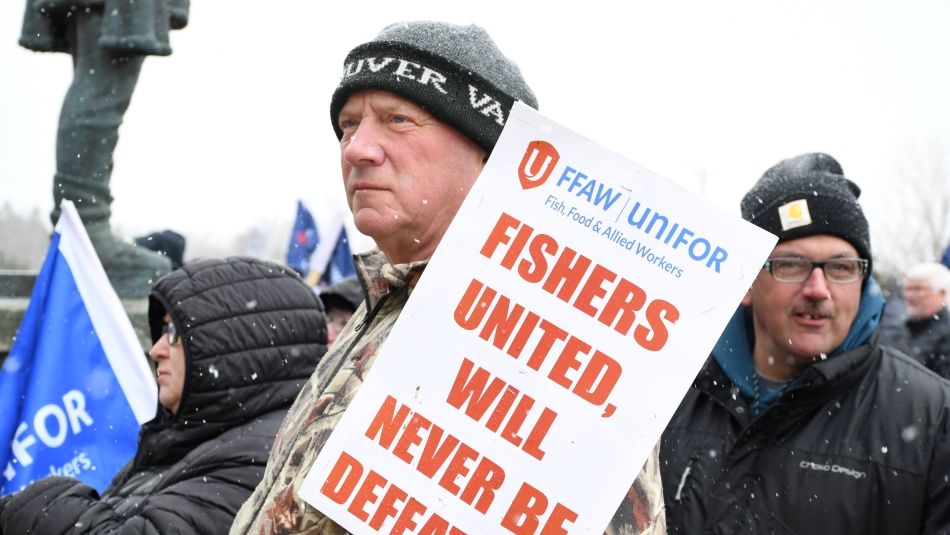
251, 333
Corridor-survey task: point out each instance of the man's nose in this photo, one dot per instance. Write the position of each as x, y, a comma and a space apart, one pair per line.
364, 146
816, 285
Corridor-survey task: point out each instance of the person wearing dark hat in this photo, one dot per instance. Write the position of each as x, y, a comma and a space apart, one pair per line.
340, 300
417, 111
167, 243
234, 342
800, 421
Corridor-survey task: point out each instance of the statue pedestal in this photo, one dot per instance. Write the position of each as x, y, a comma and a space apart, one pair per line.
15, 289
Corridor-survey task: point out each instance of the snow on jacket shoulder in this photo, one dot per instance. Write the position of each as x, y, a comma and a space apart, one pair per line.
252, 334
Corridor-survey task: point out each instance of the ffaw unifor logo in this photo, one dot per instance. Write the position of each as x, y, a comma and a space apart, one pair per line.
536, 165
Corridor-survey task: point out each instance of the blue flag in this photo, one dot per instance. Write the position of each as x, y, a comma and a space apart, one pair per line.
340, 265
303, 240
76, 386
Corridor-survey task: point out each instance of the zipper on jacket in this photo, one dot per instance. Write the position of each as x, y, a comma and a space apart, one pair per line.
367, 320
370, 316
679, 488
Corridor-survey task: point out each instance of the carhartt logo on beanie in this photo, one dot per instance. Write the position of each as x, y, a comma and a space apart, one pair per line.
457, 73
808, 195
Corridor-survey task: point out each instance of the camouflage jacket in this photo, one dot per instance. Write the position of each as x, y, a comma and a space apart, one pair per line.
275, 508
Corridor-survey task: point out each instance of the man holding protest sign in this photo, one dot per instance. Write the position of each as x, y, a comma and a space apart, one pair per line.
417, 111
800, 422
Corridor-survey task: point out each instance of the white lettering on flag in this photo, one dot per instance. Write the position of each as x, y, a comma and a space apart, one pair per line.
76, 385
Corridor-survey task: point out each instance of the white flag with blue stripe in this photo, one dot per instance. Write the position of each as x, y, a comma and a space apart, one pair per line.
76, 386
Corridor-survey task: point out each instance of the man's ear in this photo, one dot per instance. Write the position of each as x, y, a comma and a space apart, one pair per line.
747, 298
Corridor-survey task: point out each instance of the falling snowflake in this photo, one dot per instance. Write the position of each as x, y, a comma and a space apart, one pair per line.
909, 433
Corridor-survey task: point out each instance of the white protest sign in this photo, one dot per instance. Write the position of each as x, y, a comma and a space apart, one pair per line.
556, 329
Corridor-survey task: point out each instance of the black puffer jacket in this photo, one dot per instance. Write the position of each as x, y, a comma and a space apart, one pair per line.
252, 333
860, 445
928, 340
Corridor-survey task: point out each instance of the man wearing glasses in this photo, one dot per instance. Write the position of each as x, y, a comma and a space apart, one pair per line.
926, 331
800, 422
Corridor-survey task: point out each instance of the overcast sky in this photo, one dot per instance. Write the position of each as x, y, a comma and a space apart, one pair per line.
232, 128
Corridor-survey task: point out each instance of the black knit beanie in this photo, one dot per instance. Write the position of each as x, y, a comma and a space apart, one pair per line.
456, 73
808, 195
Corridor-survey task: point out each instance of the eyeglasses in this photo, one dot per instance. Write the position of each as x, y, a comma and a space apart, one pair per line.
794, 269
919, 289
171, 332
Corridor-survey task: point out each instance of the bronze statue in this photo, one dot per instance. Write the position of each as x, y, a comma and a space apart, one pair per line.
108, 41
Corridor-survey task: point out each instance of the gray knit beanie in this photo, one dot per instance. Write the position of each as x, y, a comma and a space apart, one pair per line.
808, 195
456, 73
